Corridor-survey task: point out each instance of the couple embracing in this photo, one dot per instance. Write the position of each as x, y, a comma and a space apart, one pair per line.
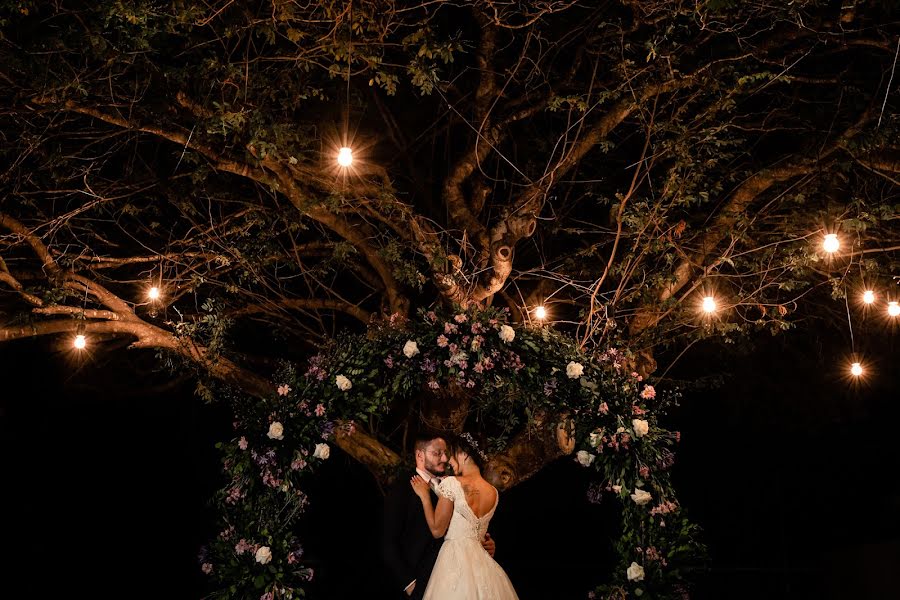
436, 543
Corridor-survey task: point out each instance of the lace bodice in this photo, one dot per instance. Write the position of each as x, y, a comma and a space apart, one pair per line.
463, 523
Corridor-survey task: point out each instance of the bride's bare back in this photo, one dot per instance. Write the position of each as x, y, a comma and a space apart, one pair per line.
481, 496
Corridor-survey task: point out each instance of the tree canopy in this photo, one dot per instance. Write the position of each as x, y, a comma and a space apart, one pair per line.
614, 162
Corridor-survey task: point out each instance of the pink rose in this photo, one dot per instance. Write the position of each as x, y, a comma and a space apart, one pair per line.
648, 392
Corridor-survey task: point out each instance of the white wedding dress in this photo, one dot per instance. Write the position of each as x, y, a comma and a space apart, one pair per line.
464, 570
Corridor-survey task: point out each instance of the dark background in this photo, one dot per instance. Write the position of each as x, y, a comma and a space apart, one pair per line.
791, 468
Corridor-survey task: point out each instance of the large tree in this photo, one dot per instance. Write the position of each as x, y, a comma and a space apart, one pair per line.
614, 161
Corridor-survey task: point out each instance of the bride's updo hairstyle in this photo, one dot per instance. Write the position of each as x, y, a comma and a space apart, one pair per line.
466, 443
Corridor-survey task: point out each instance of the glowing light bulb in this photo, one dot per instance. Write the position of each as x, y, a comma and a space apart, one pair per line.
540, 312
153, 293
345, 157
709, 305
80, 341
868, 296
831, 243
893, 309
856, 369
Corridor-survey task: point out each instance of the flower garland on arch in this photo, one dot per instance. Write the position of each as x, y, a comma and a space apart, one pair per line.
510, 373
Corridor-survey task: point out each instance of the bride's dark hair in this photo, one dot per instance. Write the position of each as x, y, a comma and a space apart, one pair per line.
466, 443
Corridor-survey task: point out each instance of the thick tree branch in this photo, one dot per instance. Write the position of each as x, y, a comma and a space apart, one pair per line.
529, 452
378, 458
485, 138
148, 336
521, 219
51, 269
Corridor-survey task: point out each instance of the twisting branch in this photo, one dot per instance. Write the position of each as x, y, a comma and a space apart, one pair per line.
457, 206
732, 211
284, 179
530, 451
521, 218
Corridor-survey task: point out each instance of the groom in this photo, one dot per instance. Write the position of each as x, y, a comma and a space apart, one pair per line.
409, 548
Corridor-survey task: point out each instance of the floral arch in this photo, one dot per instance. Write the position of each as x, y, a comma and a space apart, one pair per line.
476, 370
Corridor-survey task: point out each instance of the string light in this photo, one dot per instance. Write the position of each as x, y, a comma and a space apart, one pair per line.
80, 341
856, 369
893, 309
153, 293
540, 312
709, 305
831, 243
868, 296
345, 157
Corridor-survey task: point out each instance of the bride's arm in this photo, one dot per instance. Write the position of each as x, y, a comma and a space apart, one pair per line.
438, 519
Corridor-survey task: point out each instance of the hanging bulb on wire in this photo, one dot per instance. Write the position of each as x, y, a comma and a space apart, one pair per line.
345, 157
80, 340
893, 309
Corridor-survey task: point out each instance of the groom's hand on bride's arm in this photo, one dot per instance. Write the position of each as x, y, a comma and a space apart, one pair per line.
489, 545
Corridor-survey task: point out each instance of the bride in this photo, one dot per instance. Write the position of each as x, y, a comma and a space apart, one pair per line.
463, 570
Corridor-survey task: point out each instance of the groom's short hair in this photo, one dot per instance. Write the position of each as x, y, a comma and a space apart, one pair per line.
423, 438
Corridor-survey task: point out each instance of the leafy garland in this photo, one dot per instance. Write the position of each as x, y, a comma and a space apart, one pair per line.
513, 373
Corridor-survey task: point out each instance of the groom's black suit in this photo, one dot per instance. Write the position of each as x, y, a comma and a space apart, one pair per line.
409, 548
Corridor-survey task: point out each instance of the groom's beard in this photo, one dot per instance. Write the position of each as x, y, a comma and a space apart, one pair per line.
434, 470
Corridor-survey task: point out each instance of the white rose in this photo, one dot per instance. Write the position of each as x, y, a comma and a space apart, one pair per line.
410, 349
322, 451
640, 426
585, 458
276, 431
343, 383
507, 333
595, 438
635, 572
641, 497
263, 555
574, 370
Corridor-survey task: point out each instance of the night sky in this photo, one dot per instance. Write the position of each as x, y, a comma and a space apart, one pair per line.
791, 469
